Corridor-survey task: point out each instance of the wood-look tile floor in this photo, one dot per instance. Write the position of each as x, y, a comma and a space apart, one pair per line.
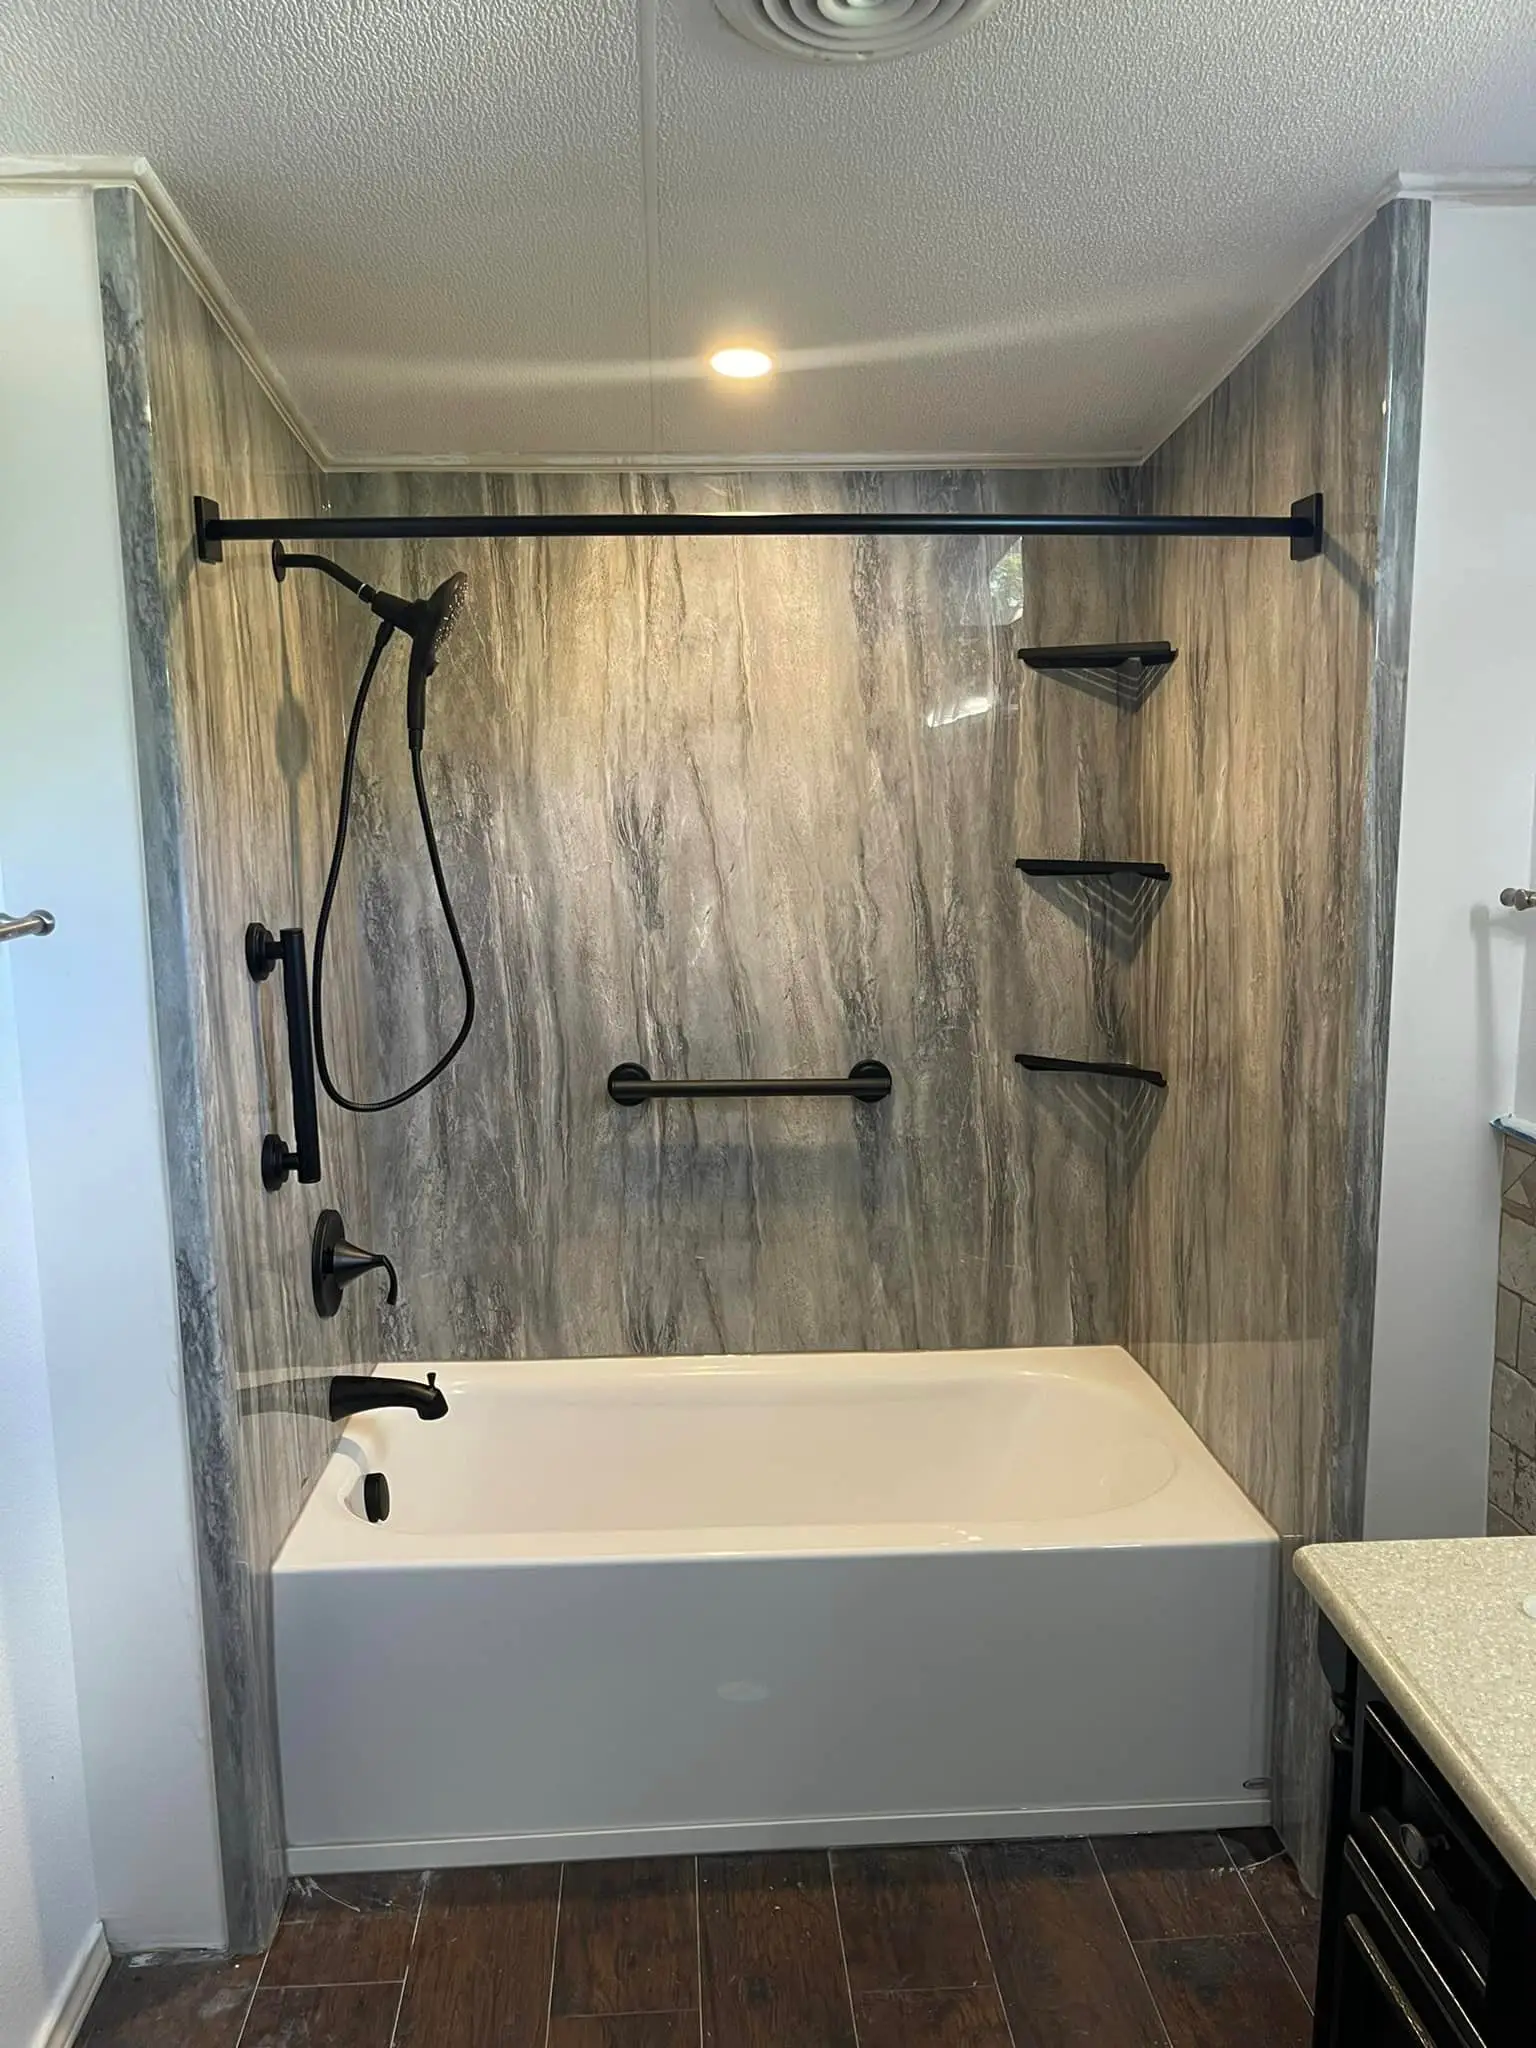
1148, 1941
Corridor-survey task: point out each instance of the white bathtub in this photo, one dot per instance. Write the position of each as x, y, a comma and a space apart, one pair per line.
626, 1606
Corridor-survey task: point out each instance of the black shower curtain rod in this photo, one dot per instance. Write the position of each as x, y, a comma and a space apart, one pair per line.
1302, 526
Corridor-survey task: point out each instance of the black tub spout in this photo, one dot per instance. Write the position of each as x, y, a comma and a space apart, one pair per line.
355, 1393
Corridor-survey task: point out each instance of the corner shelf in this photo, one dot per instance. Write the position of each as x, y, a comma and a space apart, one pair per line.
1040, 1063
1131, 657
1149, 870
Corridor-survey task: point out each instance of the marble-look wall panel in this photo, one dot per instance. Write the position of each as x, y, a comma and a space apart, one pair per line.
1512, 1417
240, 710
1266, 773
745, 806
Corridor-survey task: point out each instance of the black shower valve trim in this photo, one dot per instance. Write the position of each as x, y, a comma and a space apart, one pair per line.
335, 1264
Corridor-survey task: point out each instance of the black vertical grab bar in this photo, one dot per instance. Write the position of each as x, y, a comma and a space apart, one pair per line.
262, 954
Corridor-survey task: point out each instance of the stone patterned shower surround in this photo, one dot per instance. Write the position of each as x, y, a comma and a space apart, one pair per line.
746, 806
752, 806
240, 708
1267, 773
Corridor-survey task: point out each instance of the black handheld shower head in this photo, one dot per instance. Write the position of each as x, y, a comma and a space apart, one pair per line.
432, 620
425, 621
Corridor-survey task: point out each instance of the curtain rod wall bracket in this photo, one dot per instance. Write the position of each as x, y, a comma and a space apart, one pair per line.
205, 530
1307, 545
1302, 526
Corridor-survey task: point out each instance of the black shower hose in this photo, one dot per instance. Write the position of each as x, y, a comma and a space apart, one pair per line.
338, 854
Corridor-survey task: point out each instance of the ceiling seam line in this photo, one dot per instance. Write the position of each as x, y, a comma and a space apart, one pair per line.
647, 34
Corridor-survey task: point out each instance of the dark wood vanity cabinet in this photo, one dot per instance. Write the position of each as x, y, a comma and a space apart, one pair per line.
1428, 1939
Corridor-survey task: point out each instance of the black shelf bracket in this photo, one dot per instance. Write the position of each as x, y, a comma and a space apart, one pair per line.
262, 954
1130, 659
1302, 526
1148, 870
630, 1085
1038, 1063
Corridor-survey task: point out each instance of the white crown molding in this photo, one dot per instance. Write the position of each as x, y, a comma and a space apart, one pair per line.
92, 173
1465, 188
1356, 225
1505, 188
1469, 188
662, 464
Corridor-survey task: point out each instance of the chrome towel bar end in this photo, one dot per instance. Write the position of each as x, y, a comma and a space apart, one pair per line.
37, 924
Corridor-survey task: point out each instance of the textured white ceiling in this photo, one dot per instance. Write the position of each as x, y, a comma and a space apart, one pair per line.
507, 232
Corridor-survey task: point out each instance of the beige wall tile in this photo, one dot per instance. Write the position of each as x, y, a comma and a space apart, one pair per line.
1514, 1409
1506, 1328
1502, 1467
1517, 1255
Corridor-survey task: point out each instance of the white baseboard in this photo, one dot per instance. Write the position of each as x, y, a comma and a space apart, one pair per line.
80, 1987
719, 1838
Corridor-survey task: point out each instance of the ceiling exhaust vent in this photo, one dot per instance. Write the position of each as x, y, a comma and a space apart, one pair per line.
850, 31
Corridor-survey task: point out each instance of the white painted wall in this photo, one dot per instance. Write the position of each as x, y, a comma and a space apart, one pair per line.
1460, 960
70, 840
49, 1932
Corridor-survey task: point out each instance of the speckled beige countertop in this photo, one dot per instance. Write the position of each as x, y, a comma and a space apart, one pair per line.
1441, 1628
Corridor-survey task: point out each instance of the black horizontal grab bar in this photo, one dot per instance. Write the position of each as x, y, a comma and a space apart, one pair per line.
631, 1085
1152, 870
1144, 653
1302, 526
1038, 1063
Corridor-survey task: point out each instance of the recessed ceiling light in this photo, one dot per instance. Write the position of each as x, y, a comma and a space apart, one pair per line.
741, 363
